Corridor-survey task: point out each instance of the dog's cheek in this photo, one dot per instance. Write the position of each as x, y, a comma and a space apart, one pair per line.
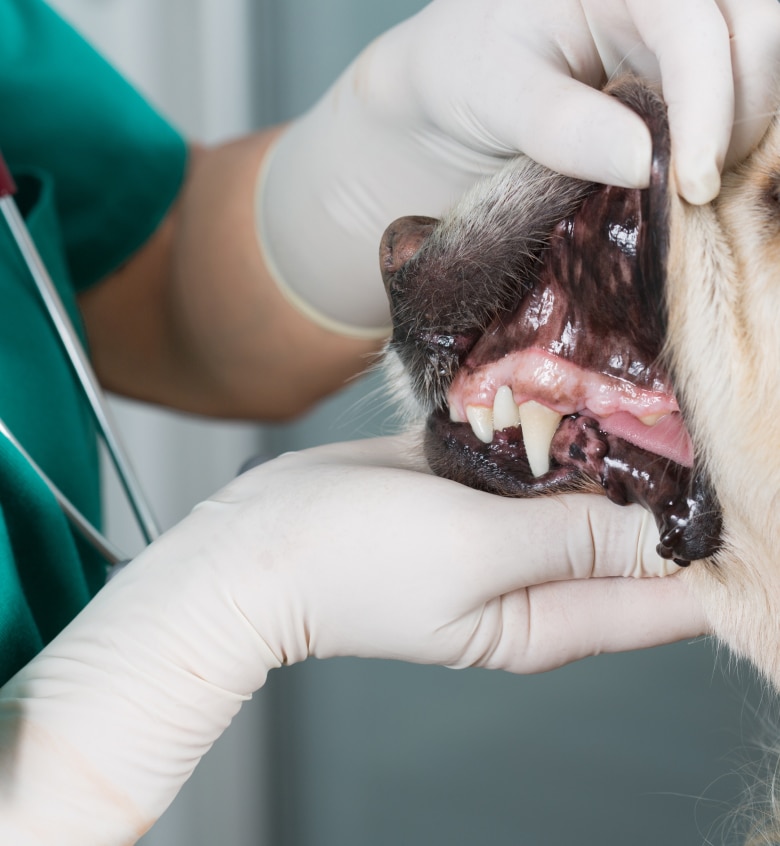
723, 302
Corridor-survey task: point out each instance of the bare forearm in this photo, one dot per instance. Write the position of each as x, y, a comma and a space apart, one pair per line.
195, 321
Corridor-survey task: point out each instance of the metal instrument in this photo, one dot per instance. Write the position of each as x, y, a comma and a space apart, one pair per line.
92, 390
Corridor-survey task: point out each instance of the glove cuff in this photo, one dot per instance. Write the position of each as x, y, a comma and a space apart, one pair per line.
333, 280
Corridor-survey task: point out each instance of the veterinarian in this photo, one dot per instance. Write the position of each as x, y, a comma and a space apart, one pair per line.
204, 288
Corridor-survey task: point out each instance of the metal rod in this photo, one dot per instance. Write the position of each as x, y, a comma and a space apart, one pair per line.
82, 366
111, 553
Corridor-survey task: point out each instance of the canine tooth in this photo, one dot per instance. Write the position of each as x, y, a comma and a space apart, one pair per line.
539, 425
652, 419
505, 411
481, 419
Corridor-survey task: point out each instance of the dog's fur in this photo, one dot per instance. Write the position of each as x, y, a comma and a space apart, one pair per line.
723, 296
722, 299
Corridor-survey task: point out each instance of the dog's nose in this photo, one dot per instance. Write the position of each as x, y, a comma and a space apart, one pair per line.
401, 241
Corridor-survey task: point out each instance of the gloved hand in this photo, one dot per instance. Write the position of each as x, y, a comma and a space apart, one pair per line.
444, 98
343, 550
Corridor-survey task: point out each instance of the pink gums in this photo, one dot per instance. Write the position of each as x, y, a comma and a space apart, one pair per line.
616, 404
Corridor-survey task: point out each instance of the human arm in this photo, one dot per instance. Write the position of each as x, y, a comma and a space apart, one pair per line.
193, 320
349, 549
208, 319
444, 98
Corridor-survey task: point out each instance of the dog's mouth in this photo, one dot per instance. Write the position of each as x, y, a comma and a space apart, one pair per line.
567, 391
554, 381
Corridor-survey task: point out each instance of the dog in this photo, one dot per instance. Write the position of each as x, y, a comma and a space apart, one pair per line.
553, 335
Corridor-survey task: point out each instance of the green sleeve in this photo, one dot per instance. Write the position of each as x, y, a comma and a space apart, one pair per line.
97, 169
117, 165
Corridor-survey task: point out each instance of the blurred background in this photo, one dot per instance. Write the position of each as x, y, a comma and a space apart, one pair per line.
646, 749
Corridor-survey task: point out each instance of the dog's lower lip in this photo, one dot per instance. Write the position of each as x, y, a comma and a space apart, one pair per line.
583, 457
503, 463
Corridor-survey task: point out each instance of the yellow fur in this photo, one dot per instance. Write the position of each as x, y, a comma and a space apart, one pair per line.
723, 294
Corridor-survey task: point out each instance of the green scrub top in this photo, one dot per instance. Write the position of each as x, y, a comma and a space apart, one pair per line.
97, 168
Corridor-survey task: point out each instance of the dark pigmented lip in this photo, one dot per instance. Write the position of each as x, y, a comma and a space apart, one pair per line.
585, 458
501, 467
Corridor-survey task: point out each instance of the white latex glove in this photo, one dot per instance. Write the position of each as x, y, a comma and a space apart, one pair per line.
343, 550
444, 98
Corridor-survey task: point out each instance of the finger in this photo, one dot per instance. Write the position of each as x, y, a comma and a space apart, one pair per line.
581, 132
511, 542
498, 544
691, 42
570, 537
755, 57
556, 624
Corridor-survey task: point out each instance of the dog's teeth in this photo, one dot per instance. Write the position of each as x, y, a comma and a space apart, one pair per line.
481, 419
652, 419
505, 411
539, 425
455, 415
